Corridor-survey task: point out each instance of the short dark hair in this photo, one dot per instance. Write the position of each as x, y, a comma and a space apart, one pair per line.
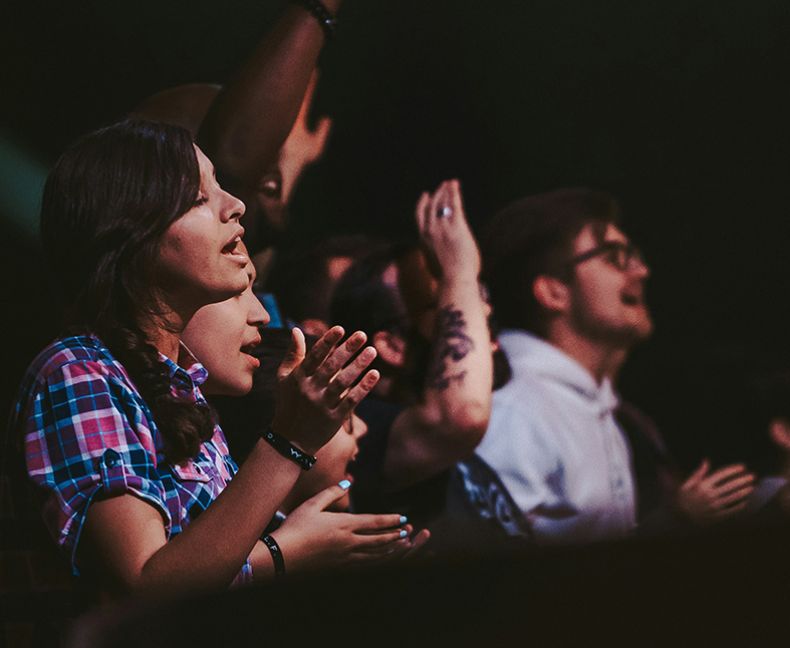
534, 236
106, 206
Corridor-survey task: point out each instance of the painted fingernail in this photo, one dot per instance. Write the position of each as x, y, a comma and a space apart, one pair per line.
345, 484
403, 533
403, 519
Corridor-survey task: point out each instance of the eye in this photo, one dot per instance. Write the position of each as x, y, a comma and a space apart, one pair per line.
271, 185
200, 200
613, 256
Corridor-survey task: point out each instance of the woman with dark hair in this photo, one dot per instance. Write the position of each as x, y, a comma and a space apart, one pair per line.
118, 439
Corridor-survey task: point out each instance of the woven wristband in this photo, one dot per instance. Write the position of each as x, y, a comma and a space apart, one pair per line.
277, 556
319, 11
288, 450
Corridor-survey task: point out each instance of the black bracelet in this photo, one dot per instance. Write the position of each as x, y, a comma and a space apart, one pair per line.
277, 556
319, 11
288, 450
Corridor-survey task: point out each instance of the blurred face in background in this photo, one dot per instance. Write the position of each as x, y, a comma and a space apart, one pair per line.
332, 465
608, 289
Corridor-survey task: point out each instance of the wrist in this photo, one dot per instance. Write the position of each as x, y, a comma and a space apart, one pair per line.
278, 560
290, 433
288, 449
460, 276
290, 547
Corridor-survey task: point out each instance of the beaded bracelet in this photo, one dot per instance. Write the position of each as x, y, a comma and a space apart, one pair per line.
288, 450
277, 556
319, 11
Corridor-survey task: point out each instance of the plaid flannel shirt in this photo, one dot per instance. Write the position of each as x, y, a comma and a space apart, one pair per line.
88, 433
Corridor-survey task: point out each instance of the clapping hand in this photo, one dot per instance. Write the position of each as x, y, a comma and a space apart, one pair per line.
319, 390
708, 497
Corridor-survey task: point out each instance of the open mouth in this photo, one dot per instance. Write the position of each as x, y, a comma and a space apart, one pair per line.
249, 349
234, 246
630, 299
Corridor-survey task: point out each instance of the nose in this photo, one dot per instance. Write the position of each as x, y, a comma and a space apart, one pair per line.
359, 428
639, 268
232, 208
257, 315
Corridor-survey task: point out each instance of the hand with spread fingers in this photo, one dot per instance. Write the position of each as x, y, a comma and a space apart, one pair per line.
312, 537
444, 230
708, 497
318, 390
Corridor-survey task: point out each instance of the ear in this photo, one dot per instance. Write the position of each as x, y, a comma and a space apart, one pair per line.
391, 348
779, 429
551, 293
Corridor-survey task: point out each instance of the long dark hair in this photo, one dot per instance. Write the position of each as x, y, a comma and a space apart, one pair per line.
106, 205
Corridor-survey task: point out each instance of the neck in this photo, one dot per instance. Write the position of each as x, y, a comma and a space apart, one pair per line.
600, 359
164, 329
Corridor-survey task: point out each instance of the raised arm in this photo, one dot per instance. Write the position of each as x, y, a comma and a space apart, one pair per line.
453, 415
253, 114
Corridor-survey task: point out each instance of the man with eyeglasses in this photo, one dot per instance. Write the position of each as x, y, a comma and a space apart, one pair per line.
568, 290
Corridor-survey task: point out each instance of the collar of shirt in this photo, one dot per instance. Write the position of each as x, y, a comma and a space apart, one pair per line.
527, 351
185, 381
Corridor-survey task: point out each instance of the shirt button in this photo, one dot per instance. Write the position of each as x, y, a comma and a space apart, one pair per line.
111, 458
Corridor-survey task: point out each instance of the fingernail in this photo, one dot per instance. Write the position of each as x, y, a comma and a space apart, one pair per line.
403, 519
403, 533
345, 484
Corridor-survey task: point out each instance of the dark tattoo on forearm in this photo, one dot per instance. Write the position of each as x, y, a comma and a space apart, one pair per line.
452, 345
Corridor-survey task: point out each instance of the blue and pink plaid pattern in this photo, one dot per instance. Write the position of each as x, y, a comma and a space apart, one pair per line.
88, 433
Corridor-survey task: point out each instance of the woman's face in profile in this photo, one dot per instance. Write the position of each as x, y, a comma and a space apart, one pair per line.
223, 335
201, 258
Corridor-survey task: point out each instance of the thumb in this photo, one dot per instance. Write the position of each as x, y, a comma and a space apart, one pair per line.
698, 475
293, 358
329, 495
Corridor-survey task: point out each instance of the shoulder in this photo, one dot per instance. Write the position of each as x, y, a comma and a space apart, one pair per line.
527, 398
77, 365
85, 349
522, 423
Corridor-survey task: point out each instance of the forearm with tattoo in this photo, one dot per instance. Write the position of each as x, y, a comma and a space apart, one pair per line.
452, 345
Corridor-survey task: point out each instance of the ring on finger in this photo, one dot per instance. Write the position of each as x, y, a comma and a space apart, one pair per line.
444, 211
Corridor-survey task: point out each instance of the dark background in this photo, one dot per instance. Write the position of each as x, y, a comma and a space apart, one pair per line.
678, 108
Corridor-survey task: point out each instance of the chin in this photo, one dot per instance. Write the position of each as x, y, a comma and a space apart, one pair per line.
229, 388
645, 331
643, 328
242, 388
